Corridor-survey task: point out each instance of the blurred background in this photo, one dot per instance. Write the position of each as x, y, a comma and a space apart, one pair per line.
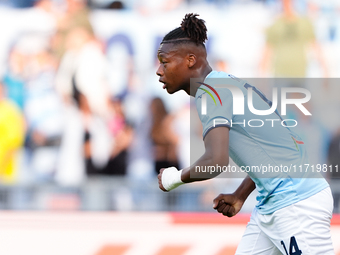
85, 125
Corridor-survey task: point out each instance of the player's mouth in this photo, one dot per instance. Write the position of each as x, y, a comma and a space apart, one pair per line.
164, 86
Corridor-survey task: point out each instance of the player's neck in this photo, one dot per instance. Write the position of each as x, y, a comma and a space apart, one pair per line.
202, 74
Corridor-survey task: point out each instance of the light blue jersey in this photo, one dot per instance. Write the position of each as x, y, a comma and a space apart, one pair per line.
264, 146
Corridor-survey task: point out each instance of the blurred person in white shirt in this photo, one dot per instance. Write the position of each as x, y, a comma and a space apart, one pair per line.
81, 81
85, 62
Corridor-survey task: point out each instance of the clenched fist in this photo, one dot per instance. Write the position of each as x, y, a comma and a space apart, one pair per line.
227, 204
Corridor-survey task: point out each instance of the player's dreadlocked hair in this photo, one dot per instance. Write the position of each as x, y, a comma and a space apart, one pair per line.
192, 29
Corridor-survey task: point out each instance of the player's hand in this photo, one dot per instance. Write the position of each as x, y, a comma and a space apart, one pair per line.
160, 180
227, 204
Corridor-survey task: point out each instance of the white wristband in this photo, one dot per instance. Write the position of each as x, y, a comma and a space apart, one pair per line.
171, 178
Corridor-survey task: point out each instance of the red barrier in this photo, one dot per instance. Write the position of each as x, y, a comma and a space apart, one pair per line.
215, 218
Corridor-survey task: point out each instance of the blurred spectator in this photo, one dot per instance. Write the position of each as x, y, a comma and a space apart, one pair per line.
287, 41
85, 62
163, 136
92, 138
81, 79
45, 123
12, 133
137, 111
123, 135
13, 77
30, 81
75, 16
86, 142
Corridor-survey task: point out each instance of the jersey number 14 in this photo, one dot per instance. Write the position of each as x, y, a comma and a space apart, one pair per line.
293, 247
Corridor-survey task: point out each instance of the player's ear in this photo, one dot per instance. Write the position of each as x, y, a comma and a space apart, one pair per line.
191, 58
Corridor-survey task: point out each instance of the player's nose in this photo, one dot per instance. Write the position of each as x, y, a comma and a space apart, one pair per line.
159, 71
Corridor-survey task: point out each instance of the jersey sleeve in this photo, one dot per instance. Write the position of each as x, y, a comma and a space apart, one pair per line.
218, 111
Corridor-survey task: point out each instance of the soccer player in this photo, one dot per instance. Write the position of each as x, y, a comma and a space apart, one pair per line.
294, 211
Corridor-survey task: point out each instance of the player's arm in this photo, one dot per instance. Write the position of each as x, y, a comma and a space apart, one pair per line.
216, 144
